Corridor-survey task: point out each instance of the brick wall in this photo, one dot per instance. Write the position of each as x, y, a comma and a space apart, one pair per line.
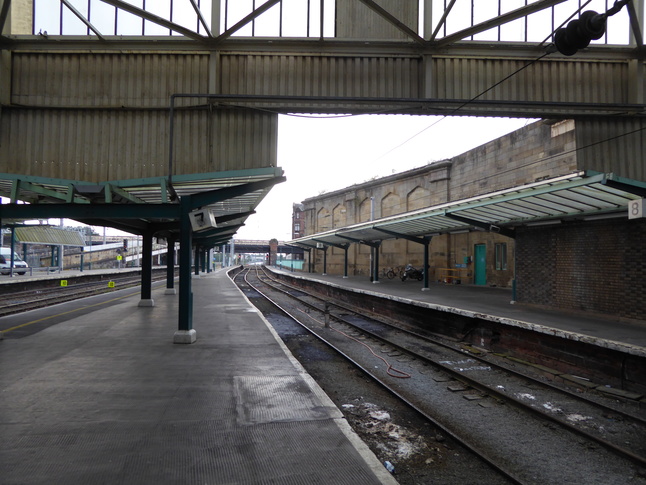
593, 266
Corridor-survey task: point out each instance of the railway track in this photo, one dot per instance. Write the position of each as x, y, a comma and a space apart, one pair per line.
42, 297
516, 423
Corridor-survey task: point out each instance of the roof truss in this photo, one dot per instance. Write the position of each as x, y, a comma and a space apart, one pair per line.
498, 18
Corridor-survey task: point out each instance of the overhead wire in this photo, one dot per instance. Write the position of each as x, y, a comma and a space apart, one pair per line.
455, 110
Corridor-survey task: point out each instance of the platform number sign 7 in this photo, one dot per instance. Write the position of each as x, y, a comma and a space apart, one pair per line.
636, 209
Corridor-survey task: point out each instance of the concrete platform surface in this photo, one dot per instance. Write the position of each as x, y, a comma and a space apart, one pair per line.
497, 302
108, 398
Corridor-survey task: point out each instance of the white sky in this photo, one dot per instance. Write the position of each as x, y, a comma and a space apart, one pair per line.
321, 155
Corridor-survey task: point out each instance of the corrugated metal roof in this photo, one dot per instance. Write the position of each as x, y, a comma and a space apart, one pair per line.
48, 235
233, 207
577, 195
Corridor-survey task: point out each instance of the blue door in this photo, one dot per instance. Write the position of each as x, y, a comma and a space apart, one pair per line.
480, 264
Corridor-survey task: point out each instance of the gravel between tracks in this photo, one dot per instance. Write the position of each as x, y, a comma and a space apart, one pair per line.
423, 455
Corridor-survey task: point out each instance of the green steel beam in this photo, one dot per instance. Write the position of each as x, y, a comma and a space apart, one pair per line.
70, 193
163, 185
216, 231
525, 191
372, 244
627, 185
138, 182
203, 199
487, 227
217, 242
15, 190
233, 217
263, 172
132, 226
113, 189
87, 211
417, 239
343, 246
41, 180
300, 244
40, 190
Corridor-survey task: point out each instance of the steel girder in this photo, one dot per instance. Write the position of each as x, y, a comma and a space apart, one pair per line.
447, 74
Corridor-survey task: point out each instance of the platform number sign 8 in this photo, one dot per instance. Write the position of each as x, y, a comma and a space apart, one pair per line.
636, 209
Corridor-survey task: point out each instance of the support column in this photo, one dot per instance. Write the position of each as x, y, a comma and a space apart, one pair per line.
170, 267
12, 248
324, 260
147, 270
375, 269
345, 261
185, 333
427, 243
196, 263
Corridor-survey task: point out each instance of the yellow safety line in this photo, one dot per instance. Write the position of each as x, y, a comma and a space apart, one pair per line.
65, 313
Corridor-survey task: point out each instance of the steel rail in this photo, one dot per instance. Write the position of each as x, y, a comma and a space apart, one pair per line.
485, 389
464, 443
64, 294
440, 343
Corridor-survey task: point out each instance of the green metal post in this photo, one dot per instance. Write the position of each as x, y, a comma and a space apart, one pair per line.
345, 261
170, 264
185, 248
147, 266
12, 249
376, 268
427, 243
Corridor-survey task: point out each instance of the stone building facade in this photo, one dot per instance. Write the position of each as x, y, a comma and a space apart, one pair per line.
550, 266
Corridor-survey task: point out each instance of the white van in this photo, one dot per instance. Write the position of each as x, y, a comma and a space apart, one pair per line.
19, 266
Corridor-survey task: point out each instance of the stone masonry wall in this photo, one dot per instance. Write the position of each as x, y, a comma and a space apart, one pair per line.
539, 150
534, 152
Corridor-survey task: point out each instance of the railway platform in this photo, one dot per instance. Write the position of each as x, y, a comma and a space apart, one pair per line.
497, 302
104, 396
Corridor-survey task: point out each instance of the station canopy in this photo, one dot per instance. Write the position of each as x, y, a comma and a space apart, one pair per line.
143, 205
41, 234
580, 195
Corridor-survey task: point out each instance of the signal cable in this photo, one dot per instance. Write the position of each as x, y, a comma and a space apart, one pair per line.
390, 370
618, 5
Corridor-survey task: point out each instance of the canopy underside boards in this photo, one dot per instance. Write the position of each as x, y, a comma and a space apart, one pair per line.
142, 205
580, 195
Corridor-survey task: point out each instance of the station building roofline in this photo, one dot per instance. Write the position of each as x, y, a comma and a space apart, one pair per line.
579, 195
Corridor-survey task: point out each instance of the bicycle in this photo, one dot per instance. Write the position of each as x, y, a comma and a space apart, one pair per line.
387, 273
